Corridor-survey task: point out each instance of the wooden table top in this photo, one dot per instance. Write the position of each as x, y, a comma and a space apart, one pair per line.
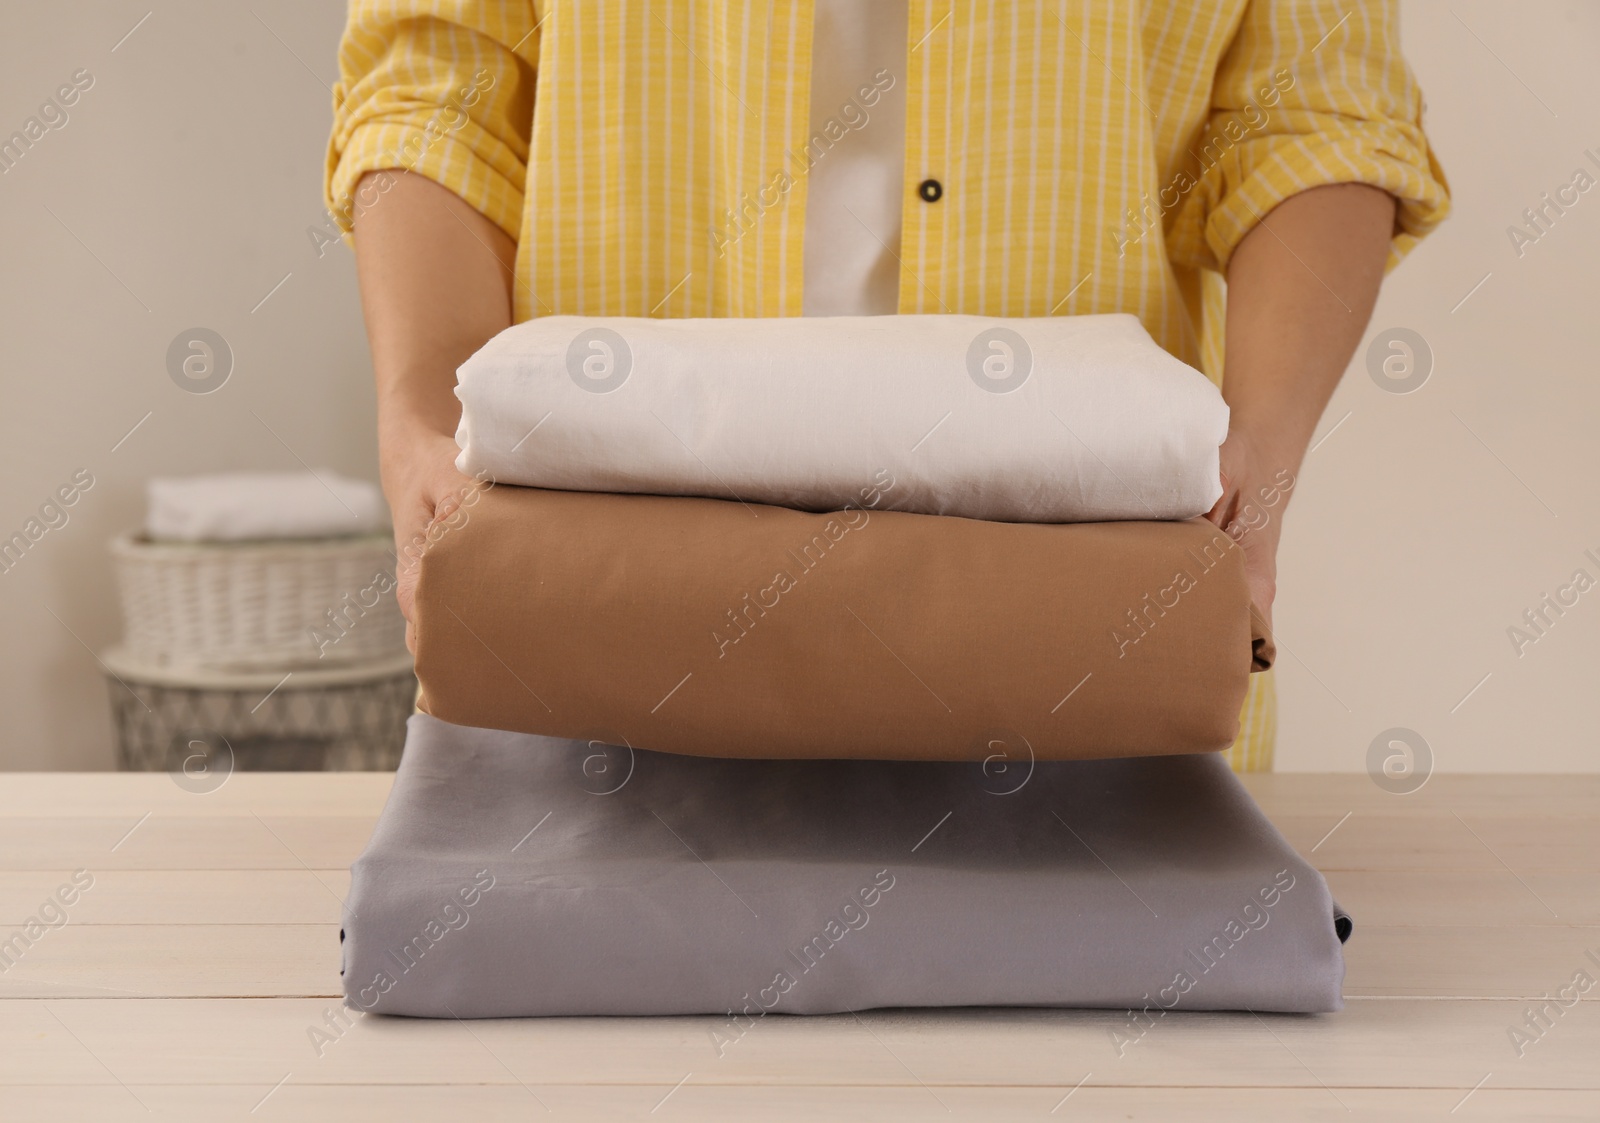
197, 978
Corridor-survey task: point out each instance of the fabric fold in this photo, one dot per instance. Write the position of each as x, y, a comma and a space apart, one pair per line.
511, 876
251, 506
718, 628
1047, 419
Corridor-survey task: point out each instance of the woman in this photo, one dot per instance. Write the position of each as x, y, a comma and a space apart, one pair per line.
498, 161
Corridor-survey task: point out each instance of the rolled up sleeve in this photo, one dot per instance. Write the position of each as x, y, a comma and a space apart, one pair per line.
442, 89
1310, 94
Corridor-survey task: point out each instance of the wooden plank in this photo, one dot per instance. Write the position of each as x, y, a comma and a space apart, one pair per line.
1334, 793
1398, 898
1487, 887
197, 960
187, 960
505, 1103
154, 842
113, 794
41, 794
296, 896
1534, 842
1427, 840
1469, 962
1381, 842
1387, 898
1363, 841
1399, 1043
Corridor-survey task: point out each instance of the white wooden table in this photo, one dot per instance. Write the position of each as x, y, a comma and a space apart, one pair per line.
188, 981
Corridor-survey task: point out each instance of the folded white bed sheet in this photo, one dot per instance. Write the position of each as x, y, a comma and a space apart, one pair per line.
241, 506
1050, 419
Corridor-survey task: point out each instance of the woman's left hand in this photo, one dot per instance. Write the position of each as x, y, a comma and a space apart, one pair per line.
1255, 490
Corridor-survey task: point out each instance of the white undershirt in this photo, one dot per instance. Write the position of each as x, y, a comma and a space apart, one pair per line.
854, 189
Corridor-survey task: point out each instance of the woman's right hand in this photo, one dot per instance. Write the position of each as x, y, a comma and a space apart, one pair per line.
423, 487
435, 286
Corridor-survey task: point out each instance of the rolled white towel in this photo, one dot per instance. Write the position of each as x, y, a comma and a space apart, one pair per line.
1053, 419
236, 506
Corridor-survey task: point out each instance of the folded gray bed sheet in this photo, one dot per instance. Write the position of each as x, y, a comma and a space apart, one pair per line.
518, 875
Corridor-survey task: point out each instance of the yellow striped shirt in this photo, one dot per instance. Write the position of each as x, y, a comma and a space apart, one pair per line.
650, 158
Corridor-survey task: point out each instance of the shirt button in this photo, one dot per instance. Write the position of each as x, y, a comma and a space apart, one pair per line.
931, 190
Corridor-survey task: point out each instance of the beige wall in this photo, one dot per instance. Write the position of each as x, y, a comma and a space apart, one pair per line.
1429, 522
181, 189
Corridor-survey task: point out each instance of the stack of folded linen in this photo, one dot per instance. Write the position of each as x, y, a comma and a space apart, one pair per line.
257, 571
1051, 420
259, 506
259, 617
858, 552
880, 537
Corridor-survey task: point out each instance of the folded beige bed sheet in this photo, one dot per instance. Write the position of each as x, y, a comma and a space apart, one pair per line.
717, 628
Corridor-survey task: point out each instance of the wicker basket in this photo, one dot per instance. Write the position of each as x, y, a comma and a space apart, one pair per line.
258, 605
349, 717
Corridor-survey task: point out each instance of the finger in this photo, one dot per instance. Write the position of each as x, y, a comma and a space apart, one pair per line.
405, 591
445, 505
1225, 510
1259, 572
411, 540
